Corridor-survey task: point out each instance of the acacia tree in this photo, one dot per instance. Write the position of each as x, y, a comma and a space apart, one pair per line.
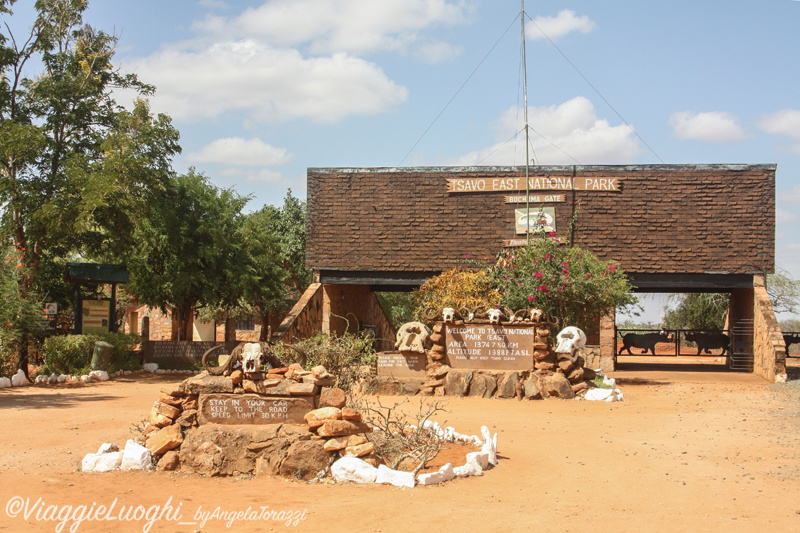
75, 168
189, 251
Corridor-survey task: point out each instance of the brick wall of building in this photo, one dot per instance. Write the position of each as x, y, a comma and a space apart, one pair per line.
666, 219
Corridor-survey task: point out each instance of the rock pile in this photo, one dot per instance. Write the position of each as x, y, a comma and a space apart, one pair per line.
554, 375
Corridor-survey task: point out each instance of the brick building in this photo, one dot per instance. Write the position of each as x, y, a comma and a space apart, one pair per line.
672, 228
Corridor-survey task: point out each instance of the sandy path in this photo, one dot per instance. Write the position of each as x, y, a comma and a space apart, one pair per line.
685, 452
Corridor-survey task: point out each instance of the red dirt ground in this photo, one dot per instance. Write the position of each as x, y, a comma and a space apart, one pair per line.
690, 451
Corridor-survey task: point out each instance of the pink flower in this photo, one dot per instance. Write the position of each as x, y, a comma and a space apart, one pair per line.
552, 234
531, 298
547, 256
564, 263
538, 275
588, 275
542, 287
564, 271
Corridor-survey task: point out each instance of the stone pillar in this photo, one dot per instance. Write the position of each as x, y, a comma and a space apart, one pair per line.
608, 338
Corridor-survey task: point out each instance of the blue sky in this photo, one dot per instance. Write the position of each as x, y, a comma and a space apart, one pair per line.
261, 90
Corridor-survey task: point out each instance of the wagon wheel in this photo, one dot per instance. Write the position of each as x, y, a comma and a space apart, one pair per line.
211, 362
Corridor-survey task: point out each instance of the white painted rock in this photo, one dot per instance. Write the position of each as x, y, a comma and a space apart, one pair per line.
604, 395
469, 469
394, 477
40, 379
353, 469
136, 457
98, 375
5, 383
19, 379
445, 473
489, 445
85, 378
479, 458
62, 378
150, 367
106, 462
53, 379
107, 447
88, 462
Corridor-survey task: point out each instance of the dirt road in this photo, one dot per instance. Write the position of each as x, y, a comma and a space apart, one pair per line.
684, 452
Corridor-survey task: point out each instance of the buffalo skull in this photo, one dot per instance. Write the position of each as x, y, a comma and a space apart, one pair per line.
495, 315
448, 315
569, 340
251, 357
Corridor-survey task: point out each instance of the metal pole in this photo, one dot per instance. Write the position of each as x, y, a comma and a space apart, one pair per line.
525, 111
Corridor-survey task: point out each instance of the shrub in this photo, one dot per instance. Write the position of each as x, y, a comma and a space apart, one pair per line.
72, 354
348, 357
457, 288
68, 354
572, 286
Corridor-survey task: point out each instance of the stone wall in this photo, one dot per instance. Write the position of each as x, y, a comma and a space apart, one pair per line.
305, 318
336, 309
769, 348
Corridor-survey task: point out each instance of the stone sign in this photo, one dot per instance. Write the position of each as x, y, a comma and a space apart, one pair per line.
253, 409
487, 347
402, 364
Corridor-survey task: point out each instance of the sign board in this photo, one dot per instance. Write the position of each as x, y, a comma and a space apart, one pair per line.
402, 364
535, 221
95, 316
253, 409
487, 347
536, 199
536, 183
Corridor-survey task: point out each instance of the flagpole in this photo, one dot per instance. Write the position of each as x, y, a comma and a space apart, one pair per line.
527, 156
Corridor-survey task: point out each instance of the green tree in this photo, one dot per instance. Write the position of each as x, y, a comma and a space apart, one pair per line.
189, 251
20, 318
288, 223
701, 311
74, 166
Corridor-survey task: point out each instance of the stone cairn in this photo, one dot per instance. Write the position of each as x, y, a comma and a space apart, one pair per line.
554, 375
287, 421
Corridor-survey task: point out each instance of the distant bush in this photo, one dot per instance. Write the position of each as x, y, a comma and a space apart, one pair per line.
72, 354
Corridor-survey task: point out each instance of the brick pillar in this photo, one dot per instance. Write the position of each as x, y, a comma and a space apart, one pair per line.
608, 338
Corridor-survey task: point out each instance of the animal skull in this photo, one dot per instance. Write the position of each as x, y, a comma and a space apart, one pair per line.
413, 337
537, 315
569, 340
251, 357
448, 315
495, 315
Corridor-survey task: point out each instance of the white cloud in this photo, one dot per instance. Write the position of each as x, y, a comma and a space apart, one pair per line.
785, 122
241, 152
331, 26
570, 133
434, 52
257, 176
289, 59
555, 27
711, 126
269, 84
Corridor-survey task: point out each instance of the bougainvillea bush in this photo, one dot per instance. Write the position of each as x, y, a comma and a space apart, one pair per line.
571, 285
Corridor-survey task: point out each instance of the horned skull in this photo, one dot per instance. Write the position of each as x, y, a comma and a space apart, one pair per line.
251, 357
537, 315
495, 315
413, 337
569, 340
448, 315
